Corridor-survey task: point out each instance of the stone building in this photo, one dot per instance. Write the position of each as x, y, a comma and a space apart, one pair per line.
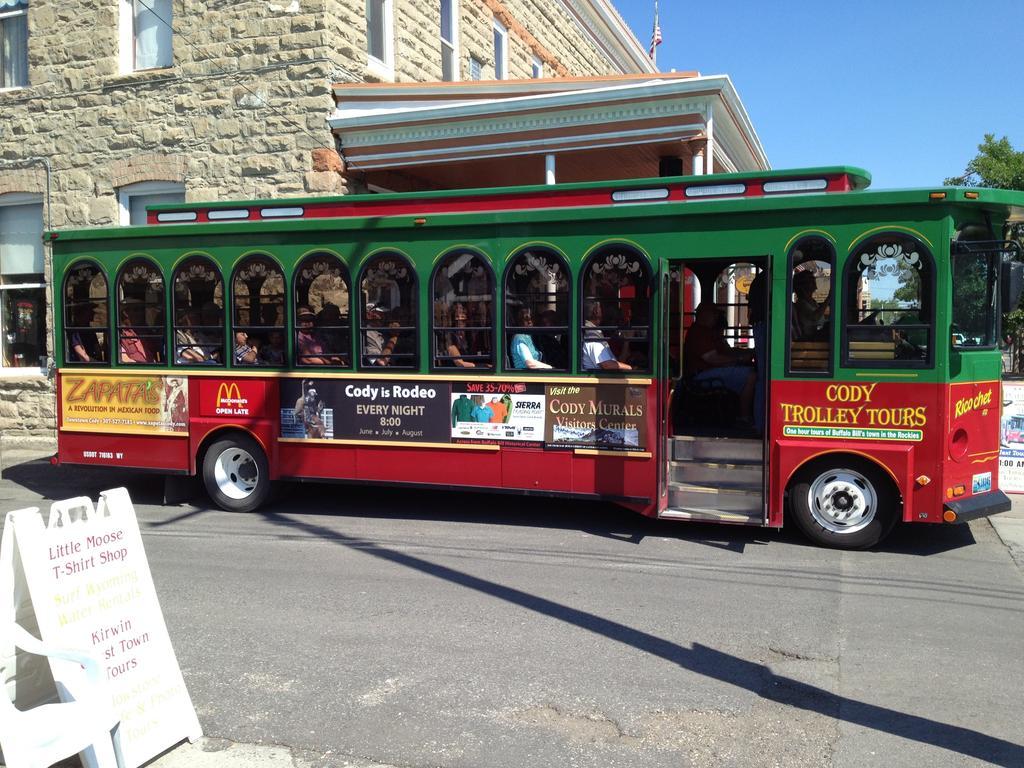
110, 105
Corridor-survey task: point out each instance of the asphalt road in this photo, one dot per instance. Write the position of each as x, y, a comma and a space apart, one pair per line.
405, 628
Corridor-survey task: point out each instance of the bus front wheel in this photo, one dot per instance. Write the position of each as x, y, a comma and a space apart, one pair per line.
236, 473
844, 502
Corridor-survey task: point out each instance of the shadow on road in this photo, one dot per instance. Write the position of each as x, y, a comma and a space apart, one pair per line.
385, 502
700, 659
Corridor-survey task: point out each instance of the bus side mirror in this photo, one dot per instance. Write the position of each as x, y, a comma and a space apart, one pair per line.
1012, 284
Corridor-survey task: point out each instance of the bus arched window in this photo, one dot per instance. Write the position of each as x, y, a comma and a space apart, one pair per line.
322, 322
86, 316
387, 313
537, 299
257, 300
140, 313
463, 312
810, 297
889, 312
616, 311
198, 312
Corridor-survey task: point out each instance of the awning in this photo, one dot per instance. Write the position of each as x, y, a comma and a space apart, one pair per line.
458, 134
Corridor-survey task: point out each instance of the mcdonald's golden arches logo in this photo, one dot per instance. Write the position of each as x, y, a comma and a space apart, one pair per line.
229, 400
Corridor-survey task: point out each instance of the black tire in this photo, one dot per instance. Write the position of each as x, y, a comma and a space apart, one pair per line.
236, 473
844, 502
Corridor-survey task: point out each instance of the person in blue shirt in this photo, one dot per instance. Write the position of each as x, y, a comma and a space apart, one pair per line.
524, 351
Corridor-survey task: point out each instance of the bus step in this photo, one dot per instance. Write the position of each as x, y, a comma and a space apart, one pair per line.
738, 474
711, 516
716, 449
689, 496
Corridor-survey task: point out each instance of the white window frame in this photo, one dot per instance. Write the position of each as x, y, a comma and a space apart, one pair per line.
453, 44
536, 68
142, 188
126, 39
18, 198
384, 68
11, 15
500, 57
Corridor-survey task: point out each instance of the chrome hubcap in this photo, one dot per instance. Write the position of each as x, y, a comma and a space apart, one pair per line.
842, 501
236, 473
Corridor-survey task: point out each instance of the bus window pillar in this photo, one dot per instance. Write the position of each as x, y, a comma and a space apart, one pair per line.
549, 169
709, 133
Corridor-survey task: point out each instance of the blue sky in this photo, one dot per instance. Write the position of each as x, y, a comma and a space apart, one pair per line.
904, 88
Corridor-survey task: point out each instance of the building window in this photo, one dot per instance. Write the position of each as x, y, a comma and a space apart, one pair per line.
133, 199
145, 34
379, 37
22, 285
449, 40
475, 68
536, 68
500, 51
13, 43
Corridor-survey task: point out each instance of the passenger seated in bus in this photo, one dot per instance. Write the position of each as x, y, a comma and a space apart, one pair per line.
85, 344
524, 353
708, 357
328, 324
246, 352
378, 350
134, 349
272, 353
597, 355
551, 345
456, 343
309, 344
188, 349
808, 316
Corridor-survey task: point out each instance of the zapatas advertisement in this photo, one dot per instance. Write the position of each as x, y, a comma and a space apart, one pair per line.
362, 409
146, 405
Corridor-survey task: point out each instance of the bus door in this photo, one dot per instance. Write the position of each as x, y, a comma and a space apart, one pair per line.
713, 452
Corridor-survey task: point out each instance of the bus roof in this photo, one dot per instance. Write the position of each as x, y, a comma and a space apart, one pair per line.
740, 192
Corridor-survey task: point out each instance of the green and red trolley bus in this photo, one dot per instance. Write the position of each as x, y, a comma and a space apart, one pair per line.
533, 340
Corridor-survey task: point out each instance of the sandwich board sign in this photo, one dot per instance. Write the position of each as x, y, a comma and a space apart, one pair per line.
90, 586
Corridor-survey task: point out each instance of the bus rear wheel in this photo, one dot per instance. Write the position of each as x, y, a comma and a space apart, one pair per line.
236, 473
844, 502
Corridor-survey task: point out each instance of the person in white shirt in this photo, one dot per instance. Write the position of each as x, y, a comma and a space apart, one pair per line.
597, 355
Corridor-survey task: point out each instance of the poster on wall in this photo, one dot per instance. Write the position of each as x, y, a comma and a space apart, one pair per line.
605, 416
362, 409
1011, 442
124, 404
491, 411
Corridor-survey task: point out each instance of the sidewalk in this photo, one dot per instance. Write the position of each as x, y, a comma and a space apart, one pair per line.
1010, 527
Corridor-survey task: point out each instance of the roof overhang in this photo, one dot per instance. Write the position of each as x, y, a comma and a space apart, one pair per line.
409, 126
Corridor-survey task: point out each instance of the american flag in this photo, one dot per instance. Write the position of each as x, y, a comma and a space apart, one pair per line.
656, 34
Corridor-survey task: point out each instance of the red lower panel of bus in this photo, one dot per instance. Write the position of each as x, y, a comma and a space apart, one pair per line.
134, 451
617, 477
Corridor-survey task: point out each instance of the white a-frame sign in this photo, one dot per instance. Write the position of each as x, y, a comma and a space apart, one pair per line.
91, 588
